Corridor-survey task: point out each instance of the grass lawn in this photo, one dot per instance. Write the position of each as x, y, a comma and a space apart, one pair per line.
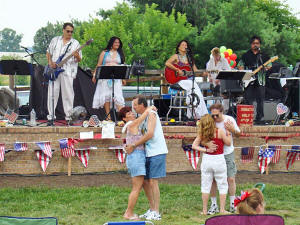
180, 204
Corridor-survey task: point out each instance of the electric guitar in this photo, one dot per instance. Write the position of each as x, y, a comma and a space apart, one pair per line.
172, 76
254, 77
52, 74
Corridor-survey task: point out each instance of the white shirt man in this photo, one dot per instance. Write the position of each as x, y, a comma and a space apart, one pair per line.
64, 82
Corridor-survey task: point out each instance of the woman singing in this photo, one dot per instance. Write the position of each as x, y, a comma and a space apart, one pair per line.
112, 55
181, 59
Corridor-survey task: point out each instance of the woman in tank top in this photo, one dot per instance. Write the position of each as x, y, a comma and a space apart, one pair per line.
135, 161
213, 164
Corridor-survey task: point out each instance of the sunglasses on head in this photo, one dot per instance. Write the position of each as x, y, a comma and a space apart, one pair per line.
69, 31
214, 115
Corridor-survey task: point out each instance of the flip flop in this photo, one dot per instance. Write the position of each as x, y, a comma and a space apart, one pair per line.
135, 217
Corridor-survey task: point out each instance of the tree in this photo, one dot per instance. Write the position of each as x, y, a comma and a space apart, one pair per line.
10, 40
153, 34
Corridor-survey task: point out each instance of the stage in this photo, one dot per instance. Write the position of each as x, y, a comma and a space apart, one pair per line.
103, 159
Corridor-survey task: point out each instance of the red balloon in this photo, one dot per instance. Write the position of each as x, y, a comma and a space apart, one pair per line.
234, 64
228, 60
226, 54
233, 57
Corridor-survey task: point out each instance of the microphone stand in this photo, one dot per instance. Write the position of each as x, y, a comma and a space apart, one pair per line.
193, 85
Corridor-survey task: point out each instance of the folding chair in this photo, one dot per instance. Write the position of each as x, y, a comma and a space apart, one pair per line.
264, 219
10, 220
129, 223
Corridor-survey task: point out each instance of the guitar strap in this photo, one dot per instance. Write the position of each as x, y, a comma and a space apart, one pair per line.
67, 48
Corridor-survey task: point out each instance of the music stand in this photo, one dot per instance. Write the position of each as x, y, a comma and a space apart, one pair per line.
112, 73
15, 67
240, 75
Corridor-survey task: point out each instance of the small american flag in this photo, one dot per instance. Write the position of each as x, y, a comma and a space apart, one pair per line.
67, 147
83, 156
192, 155
277, 150
43, 159
121, 155
2, 152
11, 115
20, 146
94, 121
45, 147
247, 154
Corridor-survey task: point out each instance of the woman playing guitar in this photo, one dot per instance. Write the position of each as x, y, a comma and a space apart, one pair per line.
179, 63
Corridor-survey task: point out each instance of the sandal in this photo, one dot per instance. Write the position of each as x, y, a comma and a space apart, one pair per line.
135, 217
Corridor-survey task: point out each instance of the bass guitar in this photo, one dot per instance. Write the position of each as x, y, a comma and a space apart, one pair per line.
172, 76
52, 74
254, 77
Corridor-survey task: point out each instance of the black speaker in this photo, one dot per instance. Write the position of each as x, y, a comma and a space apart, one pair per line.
232, 86
162, 106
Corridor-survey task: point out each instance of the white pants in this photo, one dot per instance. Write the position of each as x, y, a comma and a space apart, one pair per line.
64, 84
201, 110
213, 166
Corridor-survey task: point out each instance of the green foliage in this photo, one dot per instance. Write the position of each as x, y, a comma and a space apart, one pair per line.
10, 40
153, 34
180, 204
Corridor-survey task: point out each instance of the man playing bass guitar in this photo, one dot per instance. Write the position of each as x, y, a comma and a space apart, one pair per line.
67, 45
255, 90
178, 62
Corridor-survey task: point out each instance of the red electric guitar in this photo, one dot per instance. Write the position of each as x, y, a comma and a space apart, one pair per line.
173, 77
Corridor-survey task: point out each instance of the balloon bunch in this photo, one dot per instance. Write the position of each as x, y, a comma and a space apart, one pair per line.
229, 55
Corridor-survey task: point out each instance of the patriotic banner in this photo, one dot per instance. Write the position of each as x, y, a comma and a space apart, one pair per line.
20, 146
247, 154
277, 152
83, 156
43, 159
121, 155
94, 121
67, 147
45, 147
2, 152
264, 158
192, 155
11, 115
291, 156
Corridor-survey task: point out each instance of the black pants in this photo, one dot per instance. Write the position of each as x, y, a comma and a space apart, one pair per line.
256, 92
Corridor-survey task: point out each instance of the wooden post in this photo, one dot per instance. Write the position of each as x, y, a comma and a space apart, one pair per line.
11, 82
69, 166
267, 169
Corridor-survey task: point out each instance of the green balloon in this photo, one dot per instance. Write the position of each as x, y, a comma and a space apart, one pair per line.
222, 49
222, 55
231, 62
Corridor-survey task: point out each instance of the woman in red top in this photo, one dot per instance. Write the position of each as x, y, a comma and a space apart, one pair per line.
213, 164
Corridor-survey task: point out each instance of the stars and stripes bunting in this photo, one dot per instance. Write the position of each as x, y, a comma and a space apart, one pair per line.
67, 147
11, 115
192, 155
2, 152
291, 156
277, 151
247, 154
43, 159
264, 158
45, 147
20, 146
83, 156
121, 155
298, 155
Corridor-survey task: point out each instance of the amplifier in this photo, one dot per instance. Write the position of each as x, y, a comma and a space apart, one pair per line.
232, 86
270, 110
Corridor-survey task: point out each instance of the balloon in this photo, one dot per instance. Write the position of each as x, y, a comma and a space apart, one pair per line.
222, 55
228, 60
234, 64
231, 62
222, 49
229, 51
233, 57
226, 54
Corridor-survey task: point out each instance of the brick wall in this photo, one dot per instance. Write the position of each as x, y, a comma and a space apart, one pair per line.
102, 160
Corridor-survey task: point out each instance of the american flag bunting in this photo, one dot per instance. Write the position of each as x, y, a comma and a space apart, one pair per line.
247, 154
291, 156
2, 152
20, 146
192, 155
45, 147
277, 151
121, 155
83, 156
264, 158
43, 159
67, 147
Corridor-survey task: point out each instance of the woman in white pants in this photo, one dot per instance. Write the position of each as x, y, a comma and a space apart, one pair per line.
213, 164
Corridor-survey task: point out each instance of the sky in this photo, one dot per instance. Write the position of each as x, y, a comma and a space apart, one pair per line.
27, 16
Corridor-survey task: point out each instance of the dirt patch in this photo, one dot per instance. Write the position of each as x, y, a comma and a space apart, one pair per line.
123, 179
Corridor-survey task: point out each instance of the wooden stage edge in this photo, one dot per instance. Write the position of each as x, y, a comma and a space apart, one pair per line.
104, 159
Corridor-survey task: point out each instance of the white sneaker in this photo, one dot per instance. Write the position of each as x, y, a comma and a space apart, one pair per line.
146, 214
232, 209
213, 209
153, 216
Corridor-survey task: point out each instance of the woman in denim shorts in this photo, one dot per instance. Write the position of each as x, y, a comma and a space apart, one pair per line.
136, 160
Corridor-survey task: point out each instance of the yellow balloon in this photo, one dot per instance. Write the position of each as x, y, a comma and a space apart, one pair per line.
229, 51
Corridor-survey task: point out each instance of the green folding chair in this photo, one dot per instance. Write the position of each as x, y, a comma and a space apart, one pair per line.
10, 220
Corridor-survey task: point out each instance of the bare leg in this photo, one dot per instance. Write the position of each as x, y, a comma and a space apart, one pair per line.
107, 109
222, 203
213, 190
231, 186
149, 193
137, 183
205, 197
156, 193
